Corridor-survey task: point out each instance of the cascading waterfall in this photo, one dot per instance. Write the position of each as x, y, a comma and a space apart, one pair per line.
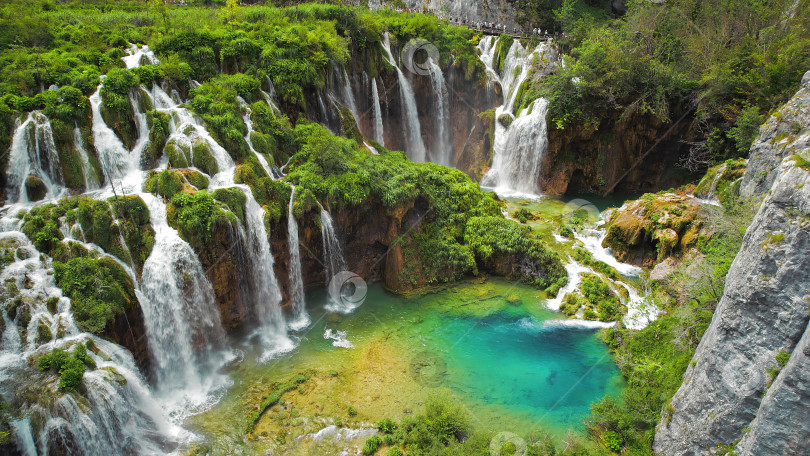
272, 329
181, 120
33, 153
413, 131
91, 181
118, 164
518, 156
179, 309
379, 131
136, 55
300, 318
141, 124
119, 415
518, 148
348, 94
249, 124
443, 152
333, 256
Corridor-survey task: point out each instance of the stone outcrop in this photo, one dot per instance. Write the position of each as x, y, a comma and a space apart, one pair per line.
499, 11
729, 394
581, 159
784, 134
654, 227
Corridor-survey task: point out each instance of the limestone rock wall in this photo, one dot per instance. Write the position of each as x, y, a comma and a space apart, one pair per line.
728, 394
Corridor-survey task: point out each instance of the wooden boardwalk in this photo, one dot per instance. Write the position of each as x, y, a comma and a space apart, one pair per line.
497, 32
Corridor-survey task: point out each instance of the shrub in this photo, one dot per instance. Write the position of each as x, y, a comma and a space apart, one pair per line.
372, 444
386, 426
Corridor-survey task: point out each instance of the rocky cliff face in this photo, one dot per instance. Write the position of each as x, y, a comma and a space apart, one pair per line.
783, 135
471, 10
729, 395
580, 159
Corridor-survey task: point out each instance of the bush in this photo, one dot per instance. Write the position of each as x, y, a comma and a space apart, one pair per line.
99, 290
371, 446
386, 426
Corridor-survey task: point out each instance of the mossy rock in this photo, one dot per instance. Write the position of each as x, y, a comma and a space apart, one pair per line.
158, 134
195, 178
35, 188
203, 159
263, 144
234, 199
348, 126
178, 153
506, 119
122, 122
167, 183
69, 158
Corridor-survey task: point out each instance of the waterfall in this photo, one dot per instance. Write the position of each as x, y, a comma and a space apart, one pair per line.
181, 121
272, 329
379, 132
300, 318
33, 153
518, 148
348, 95
333, 256
141, 124
412, 129
179, 308
91, 180
249, 124
443, 152
119, 415
133, 59
115, 158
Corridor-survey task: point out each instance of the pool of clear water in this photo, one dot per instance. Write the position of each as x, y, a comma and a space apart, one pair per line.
491, 346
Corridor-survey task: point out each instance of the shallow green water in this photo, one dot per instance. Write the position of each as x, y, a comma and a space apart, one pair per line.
492, 346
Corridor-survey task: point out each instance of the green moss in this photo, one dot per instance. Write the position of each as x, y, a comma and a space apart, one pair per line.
99, 290
801, 162
506, 119
493, 238
167, 183
35, 189
43, 333
196, 215
69, 158
782, 358
179, 155
135, 225
773, 239
348, 126
196, 179
202, 158
234, 199
277, 391
158, 134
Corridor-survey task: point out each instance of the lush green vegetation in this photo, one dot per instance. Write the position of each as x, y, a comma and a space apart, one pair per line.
724, 65
654, 359
70, 367
445, 429
99, 290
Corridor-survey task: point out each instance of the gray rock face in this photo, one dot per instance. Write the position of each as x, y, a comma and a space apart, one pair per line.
499, 11
764, 309
783, 135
